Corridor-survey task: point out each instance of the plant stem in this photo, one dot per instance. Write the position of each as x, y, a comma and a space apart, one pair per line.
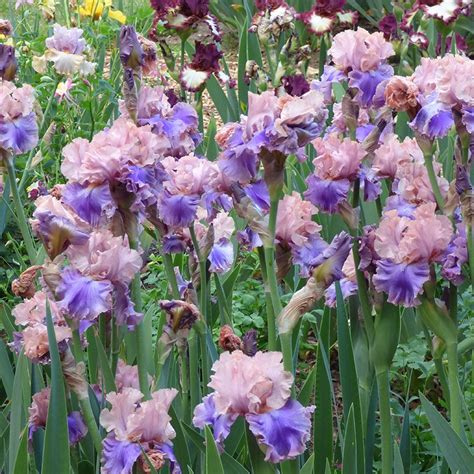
19, 210
195, 390
434, 181
287, 349
270, 269
268, 297
184, 381
84, 402
454, 395
470, 250
383, 385
91, 423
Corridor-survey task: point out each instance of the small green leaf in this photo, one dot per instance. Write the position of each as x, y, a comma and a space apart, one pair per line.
22, 458
457, 454
56, 440
213, 460
308, 466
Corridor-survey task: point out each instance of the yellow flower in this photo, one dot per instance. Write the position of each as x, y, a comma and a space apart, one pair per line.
95, 9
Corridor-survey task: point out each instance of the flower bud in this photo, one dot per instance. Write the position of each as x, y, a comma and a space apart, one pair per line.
131, 52
8, 64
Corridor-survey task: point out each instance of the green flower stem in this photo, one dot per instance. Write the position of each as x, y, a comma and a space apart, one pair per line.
184, 363
454, 391
434, 181
169, 268
140, 335
287, 350
268, 297
270, 270
91, 423
115, 347
84, 402
19, 210
470, 250
194, 387
383, 386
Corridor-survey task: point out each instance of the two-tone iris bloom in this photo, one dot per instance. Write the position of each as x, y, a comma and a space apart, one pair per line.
38, 415
259, 389
362, 57
30, 316
136, 426
18, 123
67, 50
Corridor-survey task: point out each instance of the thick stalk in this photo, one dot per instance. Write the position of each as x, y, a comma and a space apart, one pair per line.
20, 211
184, 381
195, 389
287, 350
268, 297
84, 402
383, 386
470, 250
270, 269
433, 181
454, 395
140, 338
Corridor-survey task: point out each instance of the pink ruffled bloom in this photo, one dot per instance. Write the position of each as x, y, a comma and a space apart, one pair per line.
449, 76
360, 50
262, 112
105, 257
337, 159
190, 175
224, 226
392, 153
424, 238
294, 220
246, 384
126, 376
413, 183
15, 101
35, 339
131, 419
33, 310
110, 151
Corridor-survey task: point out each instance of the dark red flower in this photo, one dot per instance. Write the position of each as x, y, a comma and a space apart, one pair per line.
206, 58
295, 85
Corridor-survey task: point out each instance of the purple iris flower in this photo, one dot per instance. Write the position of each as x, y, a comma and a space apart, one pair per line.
8, 63
283, 432
295, 85
249, 239
330, 76
19, 134
76, 427
91, 203
402, 282
404, 208
370, 183
258, 193
206, 414
455, 256
468, 118
83, 298
434, 119
348, 288
124, 309
173, 244
367, 82
119, 456
57, 233
178, 210
308, 254
221, 256
327, 194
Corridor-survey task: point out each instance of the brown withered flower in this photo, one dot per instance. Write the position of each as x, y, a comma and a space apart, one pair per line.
401, 95
24, 285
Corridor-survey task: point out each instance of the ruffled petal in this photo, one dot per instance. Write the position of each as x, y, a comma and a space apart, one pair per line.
221, 256
327, 194
124, 309
89, 202
283, 433
367, 82
19, 135
76, 427
178, 210
434, 119
118, 457
402, 282
82, 297
348, 288
205, 414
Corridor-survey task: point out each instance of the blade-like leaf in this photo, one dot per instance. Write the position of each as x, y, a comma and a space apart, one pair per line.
213, 460
6, 372
22, 458
56, 441
457, 454
349, 379
349, 454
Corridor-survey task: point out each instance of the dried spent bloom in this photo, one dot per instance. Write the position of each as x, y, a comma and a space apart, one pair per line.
259, 389
24, 285
8, 63
401, 94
